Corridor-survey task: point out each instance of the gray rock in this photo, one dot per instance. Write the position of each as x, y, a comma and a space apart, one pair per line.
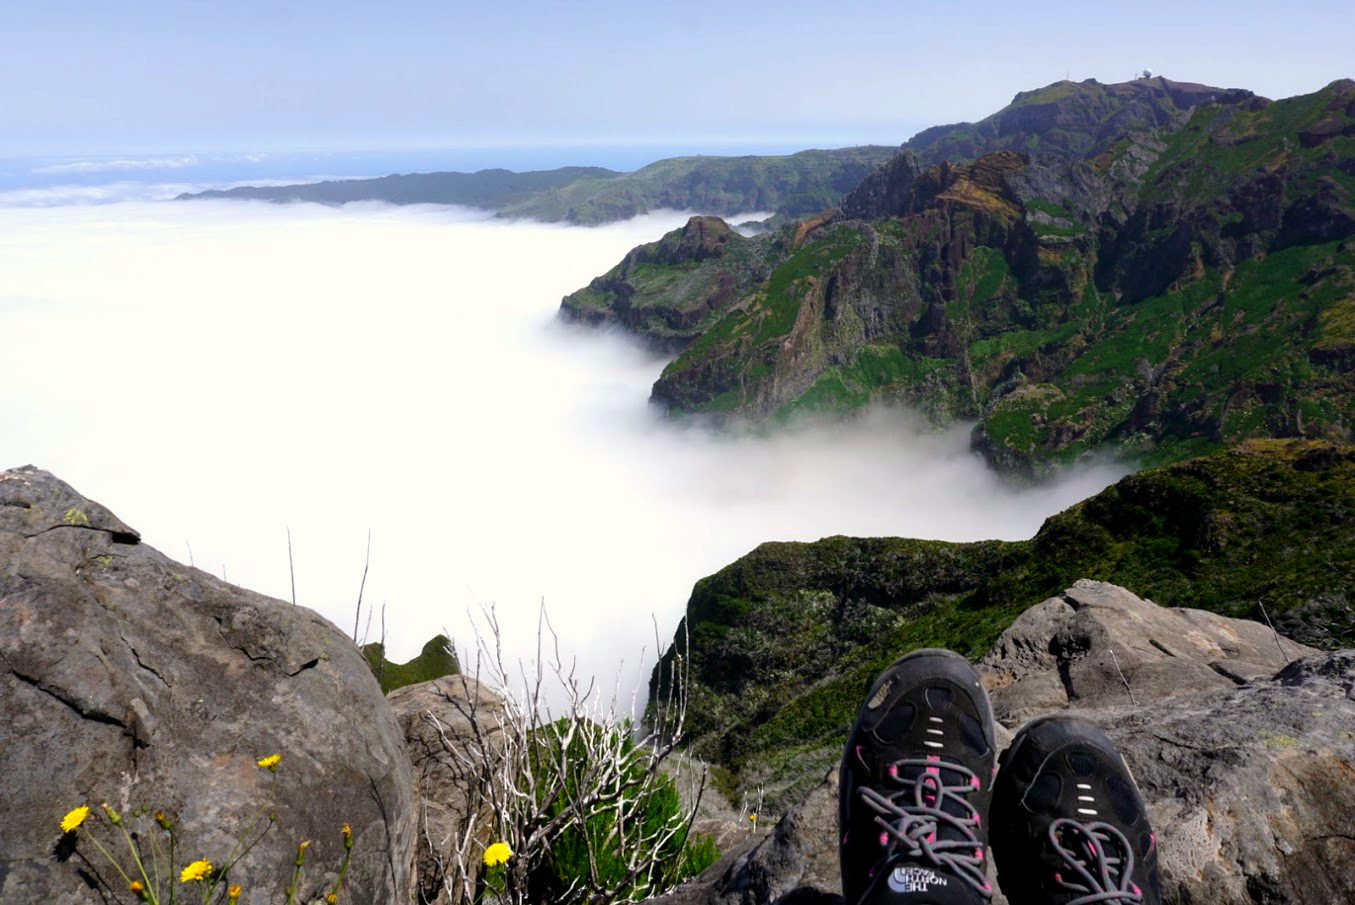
1099, 645
132, 679
1251, 790
1247, 766
450, 724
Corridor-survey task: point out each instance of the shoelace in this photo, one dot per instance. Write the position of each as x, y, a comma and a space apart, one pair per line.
1103, 876
910, 817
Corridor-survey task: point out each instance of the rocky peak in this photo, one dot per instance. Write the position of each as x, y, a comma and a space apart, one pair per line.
1078, 119
701, 239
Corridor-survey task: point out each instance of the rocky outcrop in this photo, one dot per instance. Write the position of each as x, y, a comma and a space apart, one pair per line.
131, 679
452, 726
1097, 645
1248, 771
687, 296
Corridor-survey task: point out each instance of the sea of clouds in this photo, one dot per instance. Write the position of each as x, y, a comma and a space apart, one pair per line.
219, 373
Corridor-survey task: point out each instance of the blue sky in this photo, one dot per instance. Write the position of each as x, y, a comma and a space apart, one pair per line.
97, 77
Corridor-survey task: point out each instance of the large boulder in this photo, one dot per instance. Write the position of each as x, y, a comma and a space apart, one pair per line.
132, 679
453, 727
1098, 645
1242, 742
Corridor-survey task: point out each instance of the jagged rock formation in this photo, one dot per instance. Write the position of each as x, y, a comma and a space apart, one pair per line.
781, 642
1155, 267
132, 679
450, 724
791, 185
1247, 778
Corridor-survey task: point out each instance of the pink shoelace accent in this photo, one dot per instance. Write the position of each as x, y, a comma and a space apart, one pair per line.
911, 816
1086, 848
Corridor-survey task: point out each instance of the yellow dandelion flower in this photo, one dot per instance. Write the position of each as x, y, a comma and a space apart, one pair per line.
331, 899
270, 762
136, 887
233, 894
74, 818
347, 836
198, 870
497, 854
163, 821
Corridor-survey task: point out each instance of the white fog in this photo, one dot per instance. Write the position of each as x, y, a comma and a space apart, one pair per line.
219, 372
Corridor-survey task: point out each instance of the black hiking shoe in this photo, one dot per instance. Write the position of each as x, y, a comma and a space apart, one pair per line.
1069, 826
916, 781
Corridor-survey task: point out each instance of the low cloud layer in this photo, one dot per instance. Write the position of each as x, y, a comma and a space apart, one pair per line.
126, 163
219, 372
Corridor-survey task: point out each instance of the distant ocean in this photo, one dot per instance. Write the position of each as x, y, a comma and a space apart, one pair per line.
105, 178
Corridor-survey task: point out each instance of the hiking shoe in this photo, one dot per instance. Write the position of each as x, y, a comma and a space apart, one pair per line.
916, 782
1069, 826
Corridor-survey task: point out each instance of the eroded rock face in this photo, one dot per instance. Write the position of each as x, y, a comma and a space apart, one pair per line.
132, 679
1247, 765
452, 729
1098, 645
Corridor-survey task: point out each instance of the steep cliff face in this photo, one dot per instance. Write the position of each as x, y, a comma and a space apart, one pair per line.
1163, 292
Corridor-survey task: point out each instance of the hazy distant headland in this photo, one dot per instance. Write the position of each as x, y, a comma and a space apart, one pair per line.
791, 185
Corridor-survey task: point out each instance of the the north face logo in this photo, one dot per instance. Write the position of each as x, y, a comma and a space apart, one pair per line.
914, 879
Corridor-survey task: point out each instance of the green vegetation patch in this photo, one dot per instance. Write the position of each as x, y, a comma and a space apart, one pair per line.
433, 662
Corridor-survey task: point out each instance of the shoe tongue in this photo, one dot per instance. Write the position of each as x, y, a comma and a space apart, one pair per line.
914, 884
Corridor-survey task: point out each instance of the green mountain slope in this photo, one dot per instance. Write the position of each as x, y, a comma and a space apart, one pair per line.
790, 185
489, 189
781, 643
1073, 118
1175, 291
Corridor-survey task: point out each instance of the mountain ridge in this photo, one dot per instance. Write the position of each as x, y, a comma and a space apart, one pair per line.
1171, 292
790, 184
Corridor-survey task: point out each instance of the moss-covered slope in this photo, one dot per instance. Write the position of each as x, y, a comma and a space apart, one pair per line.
782, 642
437, 659
1176, 291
